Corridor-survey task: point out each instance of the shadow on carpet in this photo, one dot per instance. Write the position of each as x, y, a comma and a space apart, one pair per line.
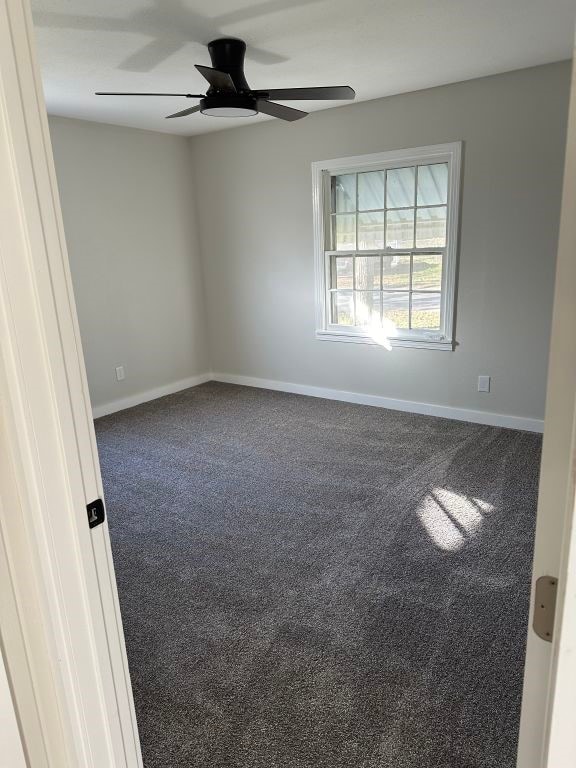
311, 584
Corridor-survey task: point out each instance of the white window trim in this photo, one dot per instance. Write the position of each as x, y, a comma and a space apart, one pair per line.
321, 172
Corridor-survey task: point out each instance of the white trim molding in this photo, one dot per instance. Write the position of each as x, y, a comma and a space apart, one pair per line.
60, 626
322, 171
151, 394
379, 401
547, 737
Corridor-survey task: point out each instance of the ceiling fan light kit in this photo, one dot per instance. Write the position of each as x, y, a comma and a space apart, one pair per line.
229, 106
229, 94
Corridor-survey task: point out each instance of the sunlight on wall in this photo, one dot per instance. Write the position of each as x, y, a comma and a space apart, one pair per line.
381, 335
450, 518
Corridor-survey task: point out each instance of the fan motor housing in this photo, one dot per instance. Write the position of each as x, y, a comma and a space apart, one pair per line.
227, 55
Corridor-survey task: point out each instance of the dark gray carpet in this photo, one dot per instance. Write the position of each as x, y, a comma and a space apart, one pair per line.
311, 584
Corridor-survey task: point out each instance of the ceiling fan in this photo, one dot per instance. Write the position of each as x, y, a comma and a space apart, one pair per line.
229, 94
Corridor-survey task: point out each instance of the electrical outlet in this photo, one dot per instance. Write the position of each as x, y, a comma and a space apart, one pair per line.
483, 383
120, 375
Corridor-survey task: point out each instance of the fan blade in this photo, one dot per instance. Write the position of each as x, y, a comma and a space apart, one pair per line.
119, 93
185, 112
221, 81
330, 92
279, 110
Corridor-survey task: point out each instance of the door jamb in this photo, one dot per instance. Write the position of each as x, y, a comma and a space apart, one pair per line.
66, 660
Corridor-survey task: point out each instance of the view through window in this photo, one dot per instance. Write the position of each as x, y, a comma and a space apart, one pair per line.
386, 248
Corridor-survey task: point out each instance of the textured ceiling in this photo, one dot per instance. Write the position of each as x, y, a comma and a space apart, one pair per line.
379, 47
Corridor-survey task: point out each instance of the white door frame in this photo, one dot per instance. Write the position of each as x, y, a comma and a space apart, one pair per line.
60, 623
547, 729
60, 626
560, 744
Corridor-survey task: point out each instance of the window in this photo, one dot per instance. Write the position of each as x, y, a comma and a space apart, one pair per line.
386, 229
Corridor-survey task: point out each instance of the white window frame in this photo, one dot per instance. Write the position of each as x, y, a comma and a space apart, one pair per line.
322, 171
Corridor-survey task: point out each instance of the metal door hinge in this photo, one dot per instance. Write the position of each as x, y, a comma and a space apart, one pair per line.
545, 607
96, 513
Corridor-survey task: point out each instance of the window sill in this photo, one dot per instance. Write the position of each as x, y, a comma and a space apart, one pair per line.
444, 344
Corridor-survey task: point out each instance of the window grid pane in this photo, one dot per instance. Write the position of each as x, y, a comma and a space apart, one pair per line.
368, 308
425, 311
371, 191
367, 273
342, 272
400, 229
432, 187
396, 310
360, 296
344, 231
400, 187
342, 307
370, 230
431, 226
396, 270
427, 272
344, 193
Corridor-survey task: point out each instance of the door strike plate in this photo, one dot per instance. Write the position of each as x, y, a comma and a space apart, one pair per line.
545, 607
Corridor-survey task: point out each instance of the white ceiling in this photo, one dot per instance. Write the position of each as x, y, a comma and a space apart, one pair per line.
379, 47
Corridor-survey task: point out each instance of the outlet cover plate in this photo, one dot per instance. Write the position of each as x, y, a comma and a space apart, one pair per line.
483, 383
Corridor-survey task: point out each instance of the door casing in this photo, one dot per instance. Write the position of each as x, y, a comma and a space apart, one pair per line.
60, 624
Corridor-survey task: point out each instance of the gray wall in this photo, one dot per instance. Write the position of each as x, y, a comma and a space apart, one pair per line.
255, 212
127, 202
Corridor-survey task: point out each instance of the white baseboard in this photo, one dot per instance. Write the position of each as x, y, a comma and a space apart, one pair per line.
428, 409
151, 394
